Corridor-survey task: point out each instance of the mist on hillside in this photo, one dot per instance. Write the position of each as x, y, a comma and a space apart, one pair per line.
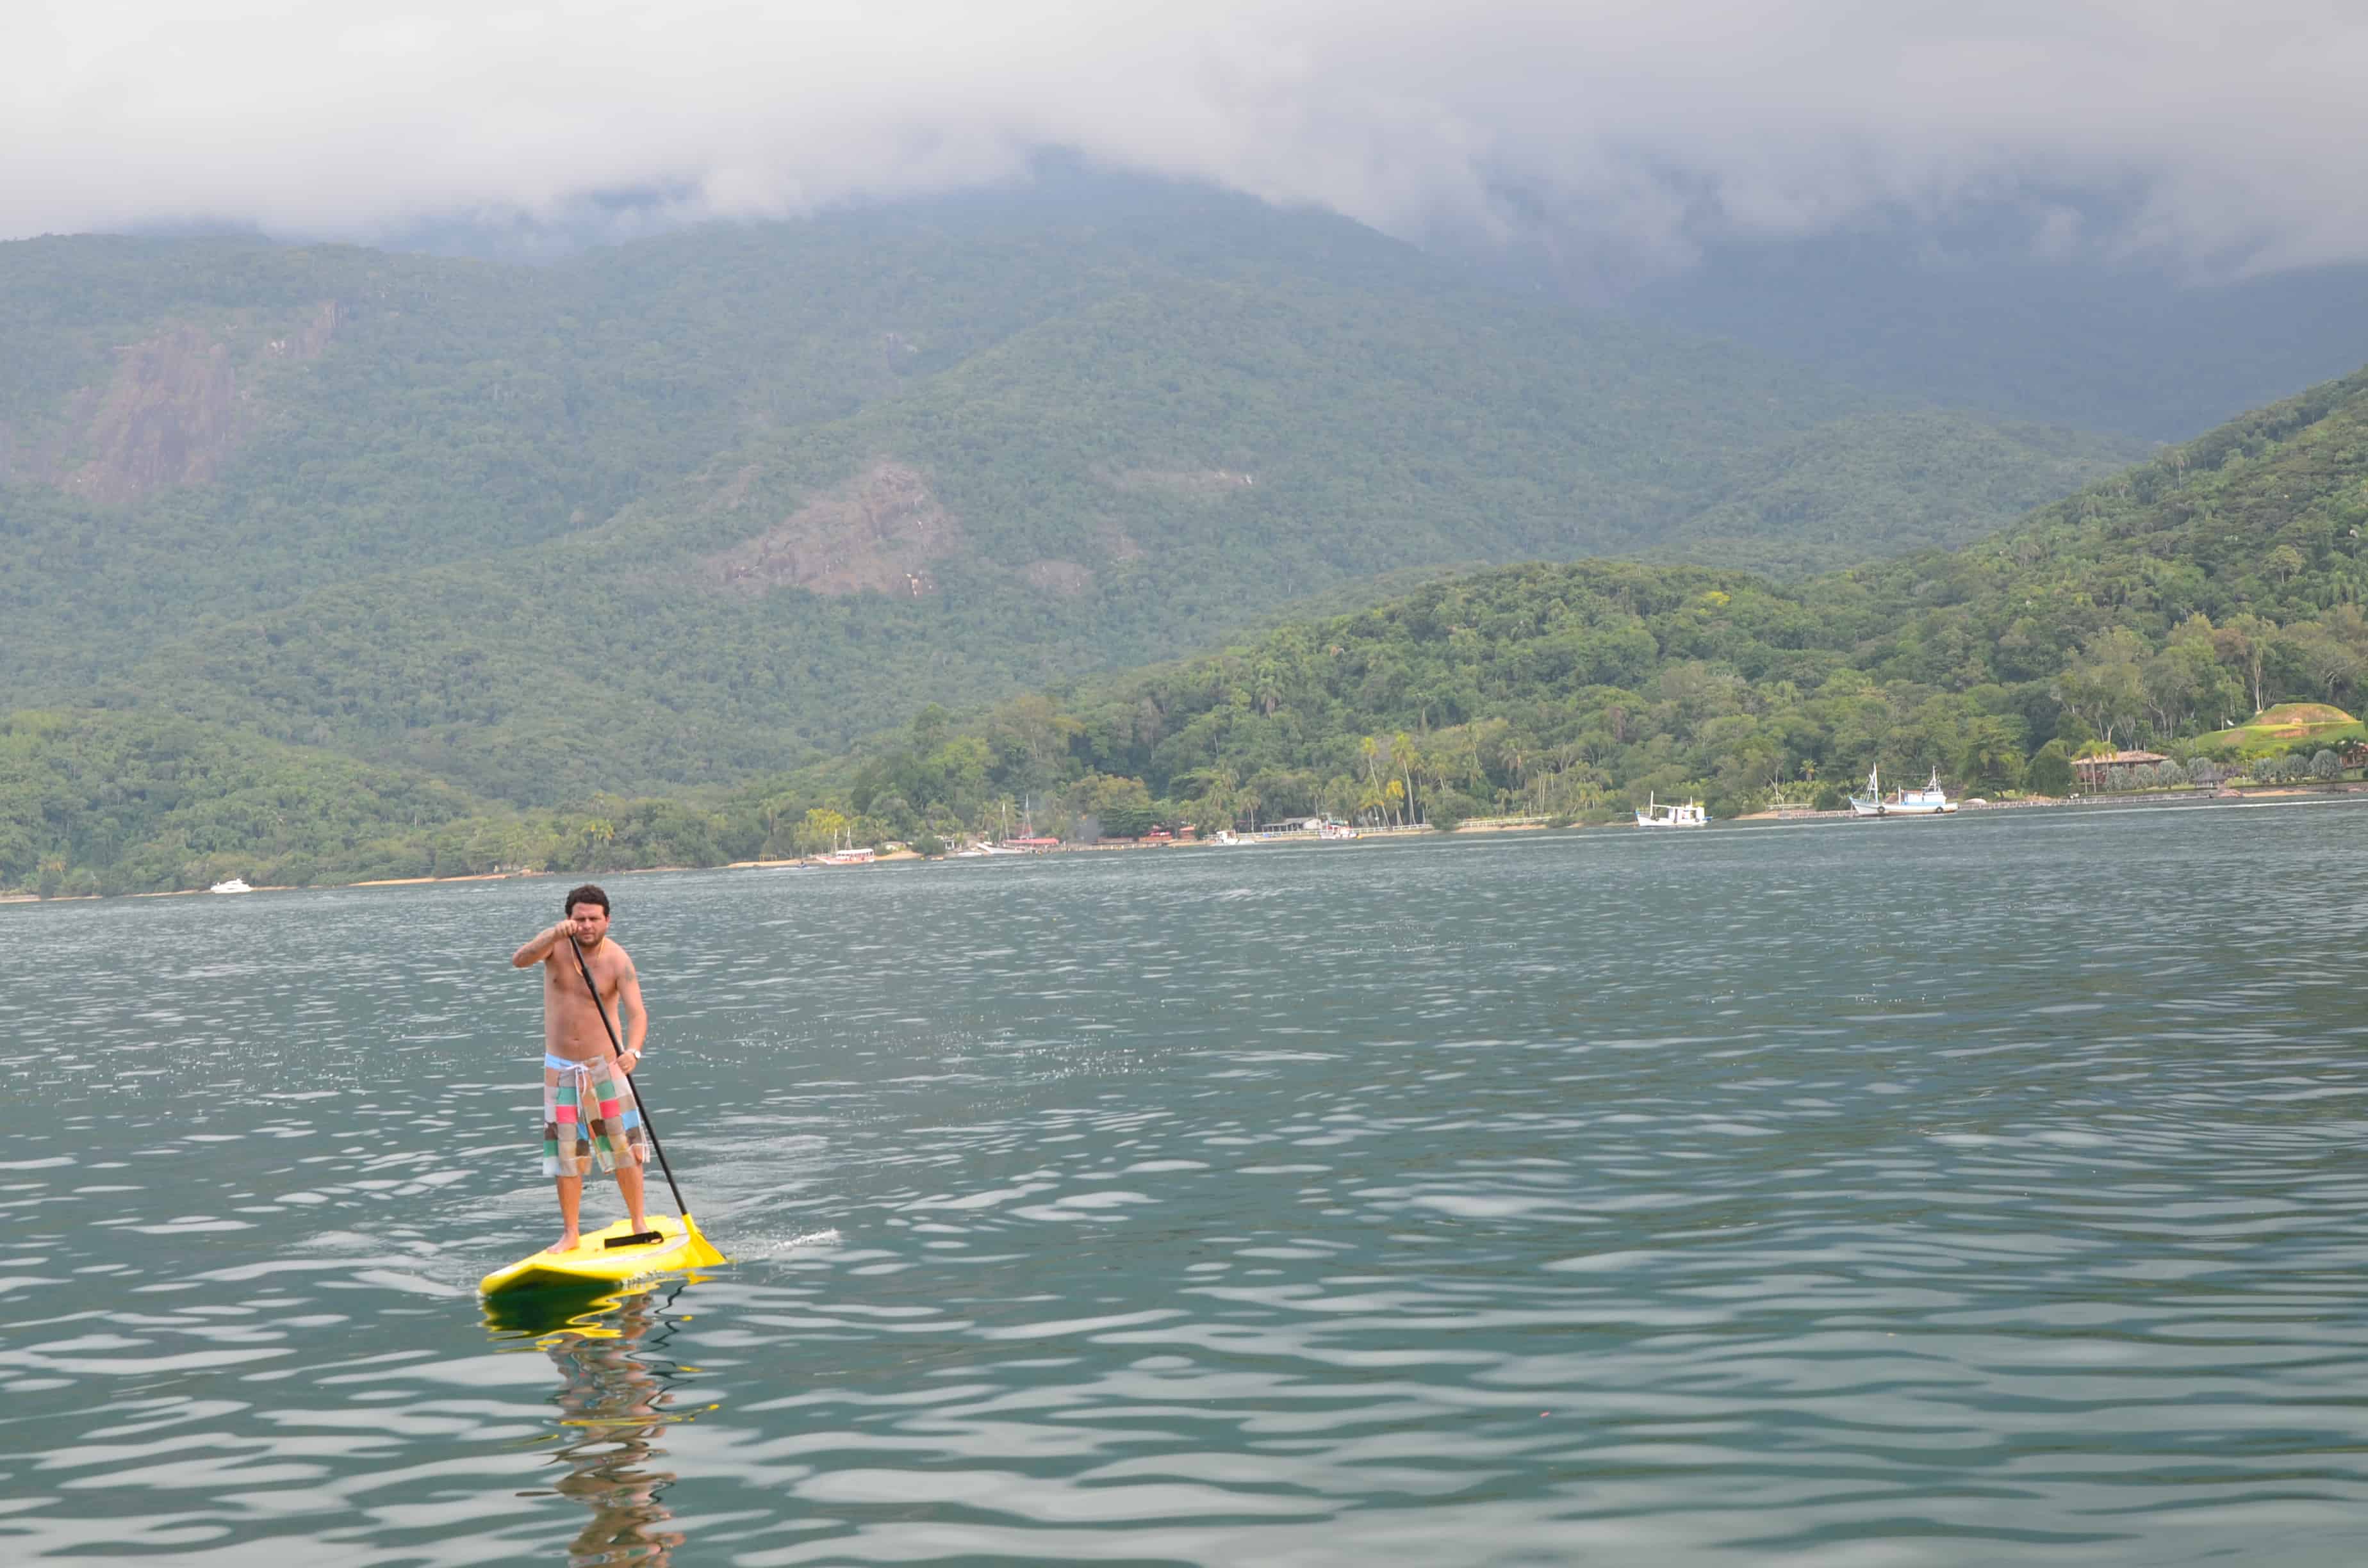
1621, 140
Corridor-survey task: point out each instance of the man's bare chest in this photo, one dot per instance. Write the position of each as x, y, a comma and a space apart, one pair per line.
563, 987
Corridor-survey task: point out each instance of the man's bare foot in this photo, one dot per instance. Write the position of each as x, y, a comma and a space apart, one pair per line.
566, 1242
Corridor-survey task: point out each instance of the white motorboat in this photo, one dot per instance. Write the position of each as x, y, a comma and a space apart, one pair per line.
1930, 800
1656, 813
236, 884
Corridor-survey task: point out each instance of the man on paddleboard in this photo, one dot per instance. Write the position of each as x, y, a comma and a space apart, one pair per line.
589, 1111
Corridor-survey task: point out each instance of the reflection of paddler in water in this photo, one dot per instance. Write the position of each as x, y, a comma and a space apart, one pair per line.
613, 1406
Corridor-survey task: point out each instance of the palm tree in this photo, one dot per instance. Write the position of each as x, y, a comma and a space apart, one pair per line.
1267, 686
1217, 791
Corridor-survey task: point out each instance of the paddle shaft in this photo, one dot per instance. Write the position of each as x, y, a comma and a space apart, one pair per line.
651, 1127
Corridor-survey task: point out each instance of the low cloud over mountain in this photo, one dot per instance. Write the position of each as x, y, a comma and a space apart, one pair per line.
2211, 133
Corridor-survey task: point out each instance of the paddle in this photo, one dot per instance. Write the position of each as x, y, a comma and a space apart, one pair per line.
639, 1237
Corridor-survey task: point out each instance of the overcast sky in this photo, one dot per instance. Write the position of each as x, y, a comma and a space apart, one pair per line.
2223, 133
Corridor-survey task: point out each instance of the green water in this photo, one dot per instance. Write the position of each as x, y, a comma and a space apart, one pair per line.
1987, 1190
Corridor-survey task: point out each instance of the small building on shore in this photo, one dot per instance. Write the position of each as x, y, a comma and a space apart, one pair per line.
2092, 771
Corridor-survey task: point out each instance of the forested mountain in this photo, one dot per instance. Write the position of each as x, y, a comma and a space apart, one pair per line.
1983, 317
2151, 607
2155, 608
737, 494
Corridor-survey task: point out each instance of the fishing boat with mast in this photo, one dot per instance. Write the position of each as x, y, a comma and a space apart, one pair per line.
1871, 803
1930, 800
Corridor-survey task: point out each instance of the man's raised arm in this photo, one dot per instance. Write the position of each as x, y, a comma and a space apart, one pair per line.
537, 950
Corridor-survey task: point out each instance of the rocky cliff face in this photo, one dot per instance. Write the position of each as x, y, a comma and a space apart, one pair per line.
877, 533
176, 408
171, 415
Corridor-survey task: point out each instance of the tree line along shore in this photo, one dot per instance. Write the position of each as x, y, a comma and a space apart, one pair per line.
892, 853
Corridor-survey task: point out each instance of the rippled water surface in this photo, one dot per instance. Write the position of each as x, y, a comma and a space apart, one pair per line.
1977, 1191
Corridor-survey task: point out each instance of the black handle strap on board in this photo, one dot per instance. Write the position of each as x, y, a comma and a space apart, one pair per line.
651, 1127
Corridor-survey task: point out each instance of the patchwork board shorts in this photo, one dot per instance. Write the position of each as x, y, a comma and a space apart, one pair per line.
588, 1114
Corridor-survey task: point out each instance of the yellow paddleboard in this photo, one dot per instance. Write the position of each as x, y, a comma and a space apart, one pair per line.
591, 1263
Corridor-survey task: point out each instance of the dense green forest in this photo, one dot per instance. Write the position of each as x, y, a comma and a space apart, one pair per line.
743, 495
2152, 607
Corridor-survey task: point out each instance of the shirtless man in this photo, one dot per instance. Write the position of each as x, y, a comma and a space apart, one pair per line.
589, 1111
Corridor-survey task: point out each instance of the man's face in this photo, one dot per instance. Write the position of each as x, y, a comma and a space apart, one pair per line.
591, 922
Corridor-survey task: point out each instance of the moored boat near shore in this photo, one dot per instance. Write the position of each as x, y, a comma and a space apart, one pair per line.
1871, 803
1929, 801
1657, 813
